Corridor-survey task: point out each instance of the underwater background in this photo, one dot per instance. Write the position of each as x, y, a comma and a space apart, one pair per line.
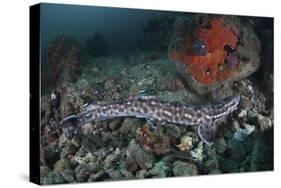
99, 54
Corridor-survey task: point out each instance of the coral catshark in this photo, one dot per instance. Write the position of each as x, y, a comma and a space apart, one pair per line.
161, 112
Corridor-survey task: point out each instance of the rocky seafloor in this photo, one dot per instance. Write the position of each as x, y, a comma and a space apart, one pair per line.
125, 148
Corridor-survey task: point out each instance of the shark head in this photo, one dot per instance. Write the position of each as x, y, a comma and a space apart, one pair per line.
70, 126
225, 106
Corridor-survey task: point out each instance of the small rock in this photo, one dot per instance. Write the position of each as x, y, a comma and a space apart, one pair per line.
68, 150
110, 160
242, 134
243, 113
115, 175
236, 125
126, 173
224, 91
99, 125
83, 171
108, 84
211, 164
101, 154
127, 125
53, 96
172, 131
264, 122
116, 95
184, 169
44, 170
186, 143
182, 129
52, 178
236, 150
154, 143
130, 165
220, 145
215, 171
141, 174
245, 103
51, 155
62, 140
143, 159
76, 143
114, 124
250, 88
106, 136
62, 165
228, 130
197, 153
92, 142
68, 175
84, 158
160, 170
97, 176
87, 129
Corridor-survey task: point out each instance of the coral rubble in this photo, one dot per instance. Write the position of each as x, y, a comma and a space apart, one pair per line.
210, 52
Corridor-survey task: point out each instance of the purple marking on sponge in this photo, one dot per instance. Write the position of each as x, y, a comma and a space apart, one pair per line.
232, 60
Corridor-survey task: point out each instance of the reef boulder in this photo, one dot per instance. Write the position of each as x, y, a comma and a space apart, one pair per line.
184, 169
210, 51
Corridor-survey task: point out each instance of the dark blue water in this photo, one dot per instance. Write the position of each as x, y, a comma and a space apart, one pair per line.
119, 26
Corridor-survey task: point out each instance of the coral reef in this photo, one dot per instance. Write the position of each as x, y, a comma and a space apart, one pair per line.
126, 148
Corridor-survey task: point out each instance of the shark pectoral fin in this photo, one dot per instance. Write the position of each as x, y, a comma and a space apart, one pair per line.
207, 132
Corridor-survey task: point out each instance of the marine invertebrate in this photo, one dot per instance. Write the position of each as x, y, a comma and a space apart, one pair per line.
208, 52
206, 59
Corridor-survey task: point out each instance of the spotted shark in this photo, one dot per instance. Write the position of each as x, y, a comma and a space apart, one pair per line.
205, 116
